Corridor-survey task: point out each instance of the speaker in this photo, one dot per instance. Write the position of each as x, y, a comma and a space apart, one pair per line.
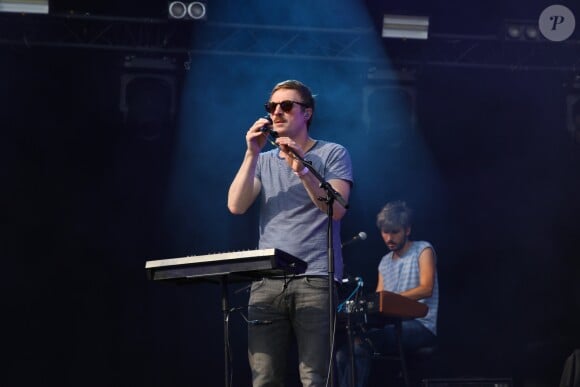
468, 382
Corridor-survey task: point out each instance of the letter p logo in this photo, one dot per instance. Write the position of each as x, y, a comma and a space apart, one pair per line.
557, 23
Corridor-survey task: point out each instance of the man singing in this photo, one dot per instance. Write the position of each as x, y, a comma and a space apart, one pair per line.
292, 219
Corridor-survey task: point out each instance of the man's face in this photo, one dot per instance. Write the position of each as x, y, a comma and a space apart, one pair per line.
290, 123
396, 238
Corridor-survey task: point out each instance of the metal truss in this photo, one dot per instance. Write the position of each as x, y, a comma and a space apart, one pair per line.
170, 37
491, 52
308, 43
130, 35
145, 35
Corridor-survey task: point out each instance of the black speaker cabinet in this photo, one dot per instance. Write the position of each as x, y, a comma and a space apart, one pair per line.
468, 382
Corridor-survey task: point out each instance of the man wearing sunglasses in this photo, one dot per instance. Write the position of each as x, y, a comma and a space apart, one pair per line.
292, 219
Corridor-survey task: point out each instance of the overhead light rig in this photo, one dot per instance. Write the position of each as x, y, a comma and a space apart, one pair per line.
522, 30
148, 35
187, 10
95, 32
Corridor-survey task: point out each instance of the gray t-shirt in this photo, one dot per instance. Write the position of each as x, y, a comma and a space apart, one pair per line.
289, 221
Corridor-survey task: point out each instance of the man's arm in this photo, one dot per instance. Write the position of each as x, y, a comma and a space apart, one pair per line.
380, 284
312, 186
427, 271
288, 147
245, 187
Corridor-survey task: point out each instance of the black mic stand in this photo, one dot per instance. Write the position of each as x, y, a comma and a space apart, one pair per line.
331, 196
352, 307
350, 336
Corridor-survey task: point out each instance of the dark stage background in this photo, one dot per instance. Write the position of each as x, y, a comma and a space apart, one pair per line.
95, 182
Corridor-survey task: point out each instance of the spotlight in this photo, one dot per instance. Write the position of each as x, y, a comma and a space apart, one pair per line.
24, 6
514, 32
405, 27
177, 10
195, 10
532, 33
522, 30
148, 96
573, 115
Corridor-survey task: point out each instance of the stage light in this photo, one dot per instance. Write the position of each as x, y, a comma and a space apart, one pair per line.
405, 27
573, 115
148, 96
514, 32
196, 10
177, 10
521, 30
532, 33
192, 10
24, 6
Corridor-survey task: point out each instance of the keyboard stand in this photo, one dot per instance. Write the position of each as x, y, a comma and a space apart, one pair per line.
224, 268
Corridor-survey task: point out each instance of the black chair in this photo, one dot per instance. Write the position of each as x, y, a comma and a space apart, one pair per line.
412, 366
421, 364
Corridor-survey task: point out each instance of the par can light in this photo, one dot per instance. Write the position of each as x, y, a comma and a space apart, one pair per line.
196, 10
189, 10
177, 10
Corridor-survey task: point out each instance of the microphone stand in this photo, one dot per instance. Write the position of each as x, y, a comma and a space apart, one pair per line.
331, 196
350, 336
351, 306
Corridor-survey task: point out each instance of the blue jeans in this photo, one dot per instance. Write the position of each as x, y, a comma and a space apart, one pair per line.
414, 336
282, 308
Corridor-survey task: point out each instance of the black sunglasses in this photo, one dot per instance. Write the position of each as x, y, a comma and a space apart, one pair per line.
286, 106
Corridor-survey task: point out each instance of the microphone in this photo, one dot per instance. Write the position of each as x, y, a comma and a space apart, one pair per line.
268, 127
361, 236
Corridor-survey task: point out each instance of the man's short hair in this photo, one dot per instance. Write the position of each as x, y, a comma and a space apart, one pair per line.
394, 215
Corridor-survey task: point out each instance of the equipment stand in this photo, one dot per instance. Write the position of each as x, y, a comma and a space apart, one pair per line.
226, 311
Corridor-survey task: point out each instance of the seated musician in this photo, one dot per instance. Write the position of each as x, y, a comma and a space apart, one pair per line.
409, 269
